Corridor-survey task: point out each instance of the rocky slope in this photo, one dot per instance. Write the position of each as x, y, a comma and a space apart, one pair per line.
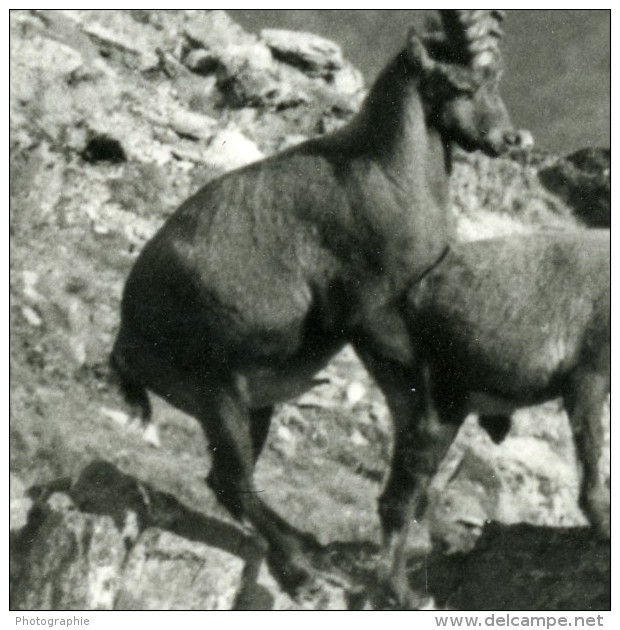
115, 118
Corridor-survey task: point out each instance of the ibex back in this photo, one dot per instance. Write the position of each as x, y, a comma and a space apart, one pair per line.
257, 280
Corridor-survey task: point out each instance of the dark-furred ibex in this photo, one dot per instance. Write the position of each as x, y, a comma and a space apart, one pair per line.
506, 323
256, 281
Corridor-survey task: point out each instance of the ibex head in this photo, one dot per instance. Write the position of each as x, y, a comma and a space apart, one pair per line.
460, 69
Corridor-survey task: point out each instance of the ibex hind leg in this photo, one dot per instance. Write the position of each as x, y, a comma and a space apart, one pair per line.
585, 402
260, 421
234, 445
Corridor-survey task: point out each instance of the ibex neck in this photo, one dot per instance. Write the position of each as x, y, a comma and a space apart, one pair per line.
392, 127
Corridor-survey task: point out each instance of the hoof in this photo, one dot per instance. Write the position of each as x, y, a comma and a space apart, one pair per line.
359, 599
309, 594
295, 574
417, 601
386, 597
597, 507
394, 593
312, 582
326, 591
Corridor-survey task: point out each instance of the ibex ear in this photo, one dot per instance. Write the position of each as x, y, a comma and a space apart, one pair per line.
458, 79
418, 54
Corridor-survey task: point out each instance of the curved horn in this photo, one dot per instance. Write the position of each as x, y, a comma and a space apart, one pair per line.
474, 36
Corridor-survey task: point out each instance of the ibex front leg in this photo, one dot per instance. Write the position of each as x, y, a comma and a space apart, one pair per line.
421, 440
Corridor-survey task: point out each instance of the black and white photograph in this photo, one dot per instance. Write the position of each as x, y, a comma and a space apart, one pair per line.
310, 310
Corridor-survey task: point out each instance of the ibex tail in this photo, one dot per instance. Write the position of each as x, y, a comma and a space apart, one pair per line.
133, 392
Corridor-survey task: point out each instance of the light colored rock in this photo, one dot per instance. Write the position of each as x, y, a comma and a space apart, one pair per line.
60, 59
116, 415
358, 439
232, 46
267, 594
349, 81
313, 54
73, 563
118, 543
80, 328
31, 316
355, 392
539, 486
30, 286
531, 477
192, 124
459, 510
102, 35
284, 442
59, 502
215, 30
247, 73
19, 504
291, 141
229, 149
292, 416
166, 572
308, 69
327, 393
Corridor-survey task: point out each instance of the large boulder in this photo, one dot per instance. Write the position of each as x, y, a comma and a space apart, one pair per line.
583, 181
280, 69
316, 57
110, 541
523, 567
164, 571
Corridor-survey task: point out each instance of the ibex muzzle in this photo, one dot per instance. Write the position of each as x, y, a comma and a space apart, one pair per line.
480, 121
256, 281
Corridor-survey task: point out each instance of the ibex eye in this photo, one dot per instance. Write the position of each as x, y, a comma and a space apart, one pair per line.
459, 89
465, 91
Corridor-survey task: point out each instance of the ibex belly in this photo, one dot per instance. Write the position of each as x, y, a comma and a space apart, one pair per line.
266, 386
487, 404
502, 374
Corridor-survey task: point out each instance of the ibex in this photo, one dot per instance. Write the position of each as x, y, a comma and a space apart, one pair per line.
256, 281
506, 323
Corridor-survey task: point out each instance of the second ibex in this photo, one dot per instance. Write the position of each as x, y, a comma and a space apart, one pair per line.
256, 281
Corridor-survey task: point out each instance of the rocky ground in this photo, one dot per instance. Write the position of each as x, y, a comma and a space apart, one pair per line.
115, 118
